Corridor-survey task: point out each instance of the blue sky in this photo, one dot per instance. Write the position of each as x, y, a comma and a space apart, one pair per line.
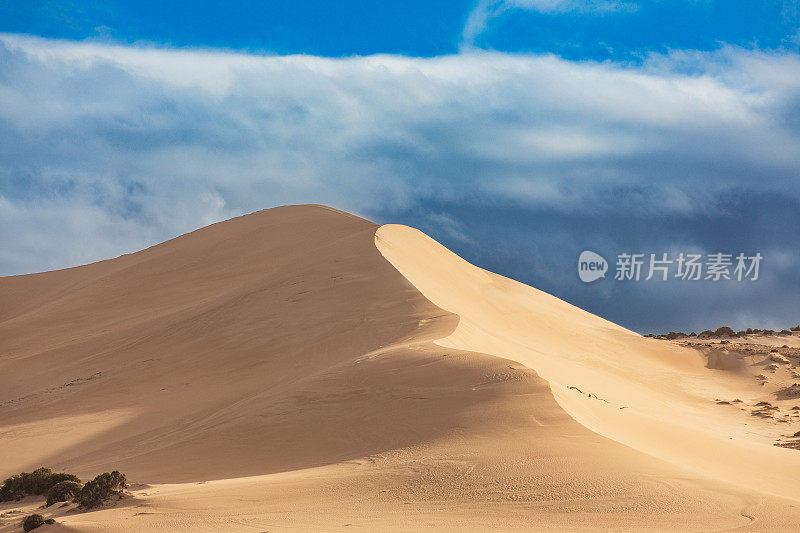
518, 133
599, 29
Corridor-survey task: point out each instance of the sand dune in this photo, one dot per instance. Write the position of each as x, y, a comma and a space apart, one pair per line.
651, 396
302, 368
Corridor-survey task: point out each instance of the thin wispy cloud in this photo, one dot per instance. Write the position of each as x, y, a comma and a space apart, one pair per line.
487, 10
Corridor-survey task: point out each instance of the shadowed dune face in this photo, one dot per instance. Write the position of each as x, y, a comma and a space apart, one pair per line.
241, 341
364, 376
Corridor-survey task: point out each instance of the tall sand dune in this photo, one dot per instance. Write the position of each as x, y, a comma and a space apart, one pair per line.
302, 368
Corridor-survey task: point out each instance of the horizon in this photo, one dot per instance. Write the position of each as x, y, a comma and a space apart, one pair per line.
712, 330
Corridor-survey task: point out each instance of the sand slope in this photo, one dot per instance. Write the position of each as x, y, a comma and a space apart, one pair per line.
302, 368
652, 396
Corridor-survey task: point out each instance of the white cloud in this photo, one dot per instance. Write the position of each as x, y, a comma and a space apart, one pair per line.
105, 149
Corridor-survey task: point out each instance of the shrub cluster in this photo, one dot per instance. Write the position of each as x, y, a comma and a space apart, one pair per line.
62, 487
38, 482
724, 331
101, 488
33, 521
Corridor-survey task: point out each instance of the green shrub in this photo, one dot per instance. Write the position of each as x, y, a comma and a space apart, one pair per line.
37, 482
101, 488
24, 484
63, 491
35, 520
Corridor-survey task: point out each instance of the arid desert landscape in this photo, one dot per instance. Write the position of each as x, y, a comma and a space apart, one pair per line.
301, 368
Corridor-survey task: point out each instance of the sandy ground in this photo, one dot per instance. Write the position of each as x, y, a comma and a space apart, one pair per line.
302, 368
773, 363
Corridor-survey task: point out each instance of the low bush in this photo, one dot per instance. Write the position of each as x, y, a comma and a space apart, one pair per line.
33, 521
37, 482
100, 489
63, 491
724, 331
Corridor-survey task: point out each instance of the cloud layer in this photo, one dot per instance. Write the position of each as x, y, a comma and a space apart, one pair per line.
105, 149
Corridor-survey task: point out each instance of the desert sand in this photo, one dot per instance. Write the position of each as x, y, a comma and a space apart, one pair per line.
301, 368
